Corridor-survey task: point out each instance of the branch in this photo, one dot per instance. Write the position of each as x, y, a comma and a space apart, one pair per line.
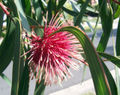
4, 9
117, 2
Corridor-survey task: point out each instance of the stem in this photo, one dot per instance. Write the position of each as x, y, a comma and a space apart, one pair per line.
4, 9
117, 2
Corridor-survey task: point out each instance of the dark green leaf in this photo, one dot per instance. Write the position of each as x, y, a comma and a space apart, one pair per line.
113, 59
101, 83
24, 82
22, 61
26, 6
70, 11
12, 6
38, 11
51, 9
110, 80
106, 16
61, 3
118, 40
41, 5
82, 12
7, 47
16, 61
1, 20
40, 87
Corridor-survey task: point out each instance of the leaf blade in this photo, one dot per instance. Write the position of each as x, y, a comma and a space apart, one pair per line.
106, 16
7, 47
96, 68
16, 61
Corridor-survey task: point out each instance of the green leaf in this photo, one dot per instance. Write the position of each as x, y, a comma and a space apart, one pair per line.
72, 13
7, 47
11, 5
26, 6
51, 8
37, 29
1, 20
116, 61
82, 12
6, 79
22, 15
117, 13
113, 59
101, 82
16, 61
60, 5
118, 40
41, 5
24, 82
106, 16
22, 59
38, 11
111, 81
40, 88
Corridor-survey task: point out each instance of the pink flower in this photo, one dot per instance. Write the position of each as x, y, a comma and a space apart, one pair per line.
52, 56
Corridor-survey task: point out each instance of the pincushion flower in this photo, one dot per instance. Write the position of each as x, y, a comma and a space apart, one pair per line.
52, 56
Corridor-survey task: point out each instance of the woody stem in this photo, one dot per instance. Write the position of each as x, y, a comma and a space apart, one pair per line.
4, 9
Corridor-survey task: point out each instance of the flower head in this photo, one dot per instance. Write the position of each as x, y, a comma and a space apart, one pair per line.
51, 56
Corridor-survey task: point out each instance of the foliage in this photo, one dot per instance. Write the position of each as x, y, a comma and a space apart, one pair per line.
24, 16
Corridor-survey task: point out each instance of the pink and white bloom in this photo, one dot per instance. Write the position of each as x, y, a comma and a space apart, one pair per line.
52, 56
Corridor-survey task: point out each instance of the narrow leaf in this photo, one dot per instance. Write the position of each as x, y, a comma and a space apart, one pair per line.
117, 13
40, 87
118, 40
101, 82
111, 81
106, 16
7, 46
22, 15
1, 20
41, 5
72, 13
51, 8
38, 27
82, 12
24, 82
26, 6
113, 59
61, 3
6, 79
38, 11
16, 61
